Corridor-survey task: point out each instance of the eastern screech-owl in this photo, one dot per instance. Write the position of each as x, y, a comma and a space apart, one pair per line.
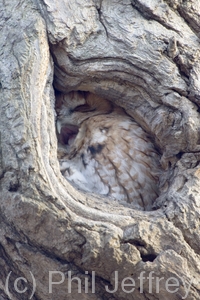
105, 150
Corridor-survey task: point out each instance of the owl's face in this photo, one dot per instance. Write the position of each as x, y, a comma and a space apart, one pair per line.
75, 107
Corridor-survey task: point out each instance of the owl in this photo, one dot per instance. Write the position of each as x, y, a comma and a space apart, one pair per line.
105, 151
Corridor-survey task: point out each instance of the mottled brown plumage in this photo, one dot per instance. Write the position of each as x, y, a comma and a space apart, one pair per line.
111, 154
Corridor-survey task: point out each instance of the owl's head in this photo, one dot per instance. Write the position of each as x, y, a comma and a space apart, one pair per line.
75, 107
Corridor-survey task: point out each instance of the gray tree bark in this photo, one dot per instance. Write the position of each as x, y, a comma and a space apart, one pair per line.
144, 56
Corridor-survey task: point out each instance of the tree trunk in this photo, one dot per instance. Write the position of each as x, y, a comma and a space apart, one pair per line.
56, 241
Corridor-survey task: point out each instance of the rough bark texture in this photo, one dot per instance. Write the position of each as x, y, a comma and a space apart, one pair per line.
144, 56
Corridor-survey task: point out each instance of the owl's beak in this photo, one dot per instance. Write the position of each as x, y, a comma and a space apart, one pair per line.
59, 126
